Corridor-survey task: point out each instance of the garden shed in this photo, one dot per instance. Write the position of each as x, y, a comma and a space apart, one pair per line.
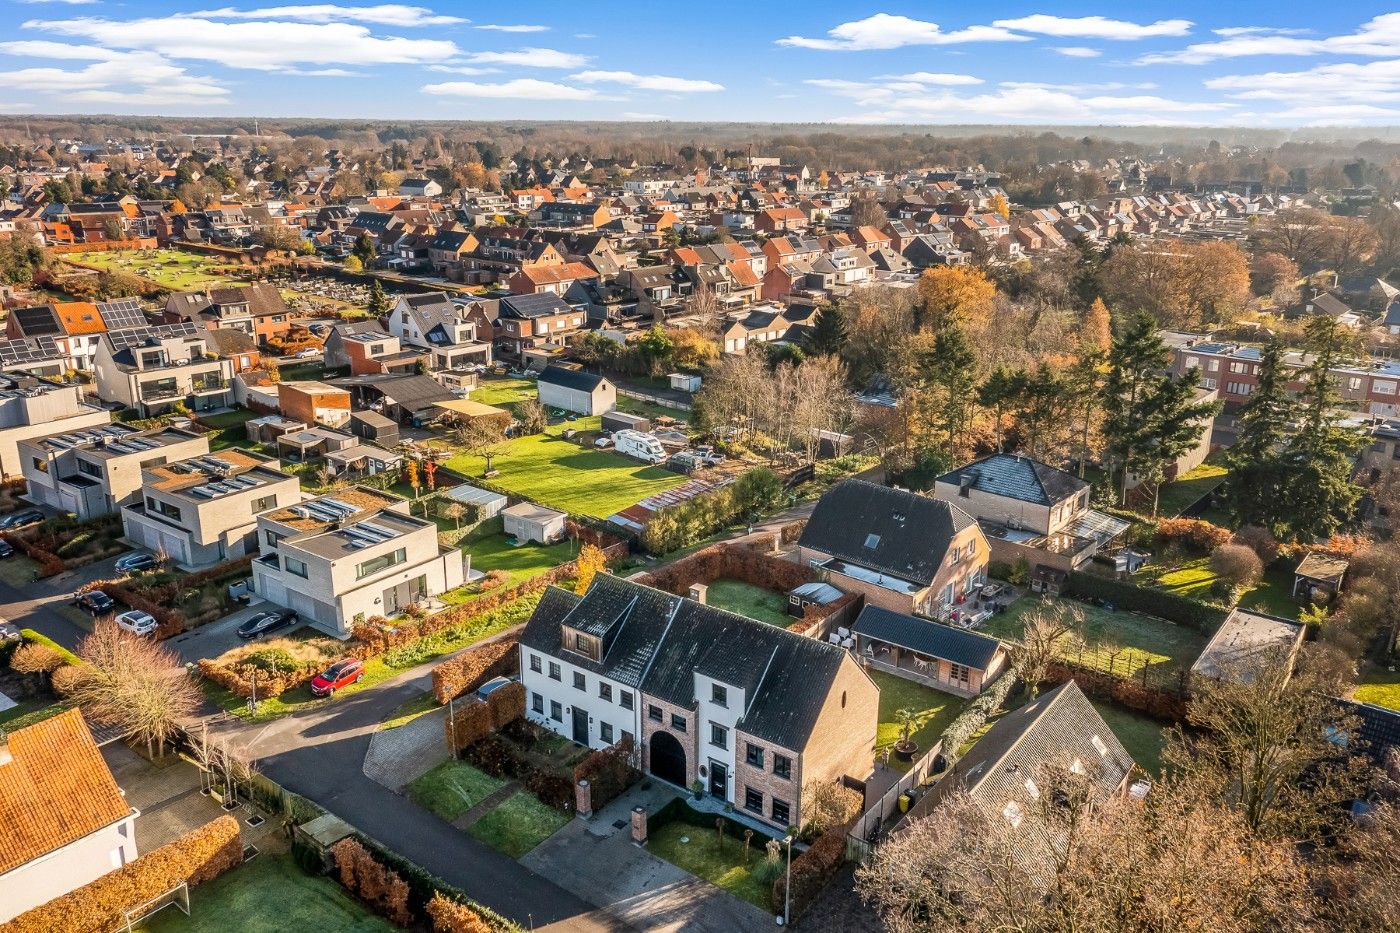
487, 504
526, 521
1318, 578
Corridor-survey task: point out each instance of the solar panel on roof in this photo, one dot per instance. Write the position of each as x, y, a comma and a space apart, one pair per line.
37, 321
122, 313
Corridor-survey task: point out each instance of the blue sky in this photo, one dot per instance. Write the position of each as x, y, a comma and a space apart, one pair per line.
1232, 63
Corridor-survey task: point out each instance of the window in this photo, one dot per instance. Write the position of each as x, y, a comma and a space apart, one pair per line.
1384, 386
654, 713
382, 562
272, 538
535, 664
1099, 746
1354, 384
605, 732
554, 672
753, 755
872, 541
719, 695
954, 555
781, 812
263, 503
753, 800
581, 643
88, 468
580, 682
537, 703
782, 766
1238, 388
39, 464
719, 736
295, 567
959, 672
625, 698
1239, 369
605, 691
556, 711
1212, 366
1013, 813
678, 722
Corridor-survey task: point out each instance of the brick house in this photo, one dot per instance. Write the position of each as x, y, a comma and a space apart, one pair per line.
902, 551
755, 713
525, 321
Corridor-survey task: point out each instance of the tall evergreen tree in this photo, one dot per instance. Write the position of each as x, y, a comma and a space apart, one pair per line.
378, 303
998, 394
829, 331
1255, 490
946, 374
1151, 417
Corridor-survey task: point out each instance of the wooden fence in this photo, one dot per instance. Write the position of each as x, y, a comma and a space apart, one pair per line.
871, 823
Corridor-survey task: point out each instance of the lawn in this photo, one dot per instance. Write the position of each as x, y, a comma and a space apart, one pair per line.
720, 863
1115, 641
168, 267
229, 430
504, 392
1179, 495
18, 570
28, 713
1193, 578
268, 895
453, 788
563, 475
749, 600
410, 710
1380, 687
518, 825
495, 552
934, 709
1273, 594
1141, 736
308, 371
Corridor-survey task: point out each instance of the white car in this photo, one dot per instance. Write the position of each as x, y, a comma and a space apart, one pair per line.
137, 622
306, 354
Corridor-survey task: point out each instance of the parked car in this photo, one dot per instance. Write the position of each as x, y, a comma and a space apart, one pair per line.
266, 622
20, 519
10, 632
492, 685
306, 354
6, 549
342, 673
137, 622
96, 602
139, 560
711, 456
603, 443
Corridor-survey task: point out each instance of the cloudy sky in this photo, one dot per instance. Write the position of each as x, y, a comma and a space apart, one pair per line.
1240, 62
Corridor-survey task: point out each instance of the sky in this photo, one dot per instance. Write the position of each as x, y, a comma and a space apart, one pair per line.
1232, 63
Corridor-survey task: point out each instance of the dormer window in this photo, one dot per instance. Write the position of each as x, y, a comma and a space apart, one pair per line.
719, 695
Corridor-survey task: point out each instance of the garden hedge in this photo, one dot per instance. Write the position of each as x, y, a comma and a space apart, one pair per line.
1200, 616
101, 905
609, 772
811, 871
472, 668
423, 886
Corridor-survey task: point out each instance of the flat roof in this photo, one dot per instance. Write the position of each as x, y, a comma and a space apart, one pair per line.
323, 511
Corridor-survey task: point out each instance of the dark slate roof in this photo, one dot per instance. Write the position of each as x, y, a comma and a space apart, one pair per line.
413, 392
533, 306
657, 642
927, 637
38, 321
895, 532
575, 379
1379, 728
1016, 477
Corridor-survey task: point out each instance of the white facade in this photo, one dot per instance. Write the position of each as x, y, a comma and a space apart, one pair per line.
605, 717
68, 868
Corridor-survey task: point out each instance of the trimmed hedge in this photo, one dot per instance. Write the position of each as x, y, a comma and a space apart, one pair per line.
423, 886
609, 772
1200, 616
37, 638
811, 871
472, 668
197, 856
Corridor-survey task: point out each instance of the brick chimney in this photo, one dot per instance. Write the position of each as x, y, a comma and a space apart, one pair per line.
698, 592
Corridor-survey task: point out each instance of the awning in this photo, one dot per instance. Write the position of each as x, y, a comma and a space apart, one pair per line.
469, 409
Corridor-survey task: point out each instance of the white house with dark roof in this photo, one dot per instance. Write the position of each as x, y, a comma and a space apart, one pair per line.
432, 321
577, 391
753, 712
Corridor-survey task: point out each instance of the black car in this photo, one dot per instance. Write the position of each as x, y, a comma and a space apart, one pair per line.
20, 519
265, 622
96, 602
6, 549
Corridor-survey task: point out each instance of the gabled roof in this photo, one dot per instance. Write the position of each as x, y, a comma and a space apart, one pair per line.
933, 639
527, 307
895, 532
56, 789
575, 379
1015, 477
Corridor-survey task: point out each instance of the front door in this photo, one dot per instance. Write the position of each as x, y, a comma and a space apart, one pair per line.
719, 780
580, 725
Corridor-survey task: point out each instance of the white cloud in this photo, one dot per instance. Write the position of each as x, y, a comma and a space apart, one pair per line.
647, 82
1078, 51
1094, 27
464, 70
143, 78
1080, 88
38, 48
384, 14
520, 28
1032, 105
931, 77
1259, 31
1379, 37
531, 58
517, 89
886, 31
1346, 82
258, 45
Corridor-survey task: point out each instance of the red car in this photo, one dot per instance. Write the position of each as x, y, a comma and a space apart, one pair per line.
342, 673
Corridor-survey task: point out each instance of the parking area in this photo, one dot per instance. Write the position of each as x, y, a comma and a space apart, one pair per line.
212, 640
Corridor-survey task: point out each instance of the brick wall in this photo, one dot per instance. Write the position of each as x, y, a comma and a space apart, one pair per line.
687, 739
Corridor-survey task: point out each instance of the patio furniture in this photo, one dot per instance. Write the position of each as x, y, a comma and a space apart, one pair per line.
834, 638
843, 632
848, 643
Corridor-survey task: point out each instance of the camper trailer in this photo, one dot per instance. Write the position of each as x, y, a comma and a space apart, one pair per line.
640, 446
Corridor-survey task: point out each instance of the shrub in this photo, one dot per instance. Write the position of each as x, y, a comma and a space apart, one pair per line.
468, 725
554, 789
197, 856
975, 716
609, 772
811, 871
998, 569
472, 668
1019, 573
272, 661
34, 658
1198, 615
65, 679
1259, 540
1194, 533
379, 887
423, 887
1236, 564
506, 704
448, 916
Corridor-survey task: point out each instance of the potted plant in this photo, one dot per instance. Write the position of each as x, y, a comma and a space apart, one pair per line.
905, 748
698, 789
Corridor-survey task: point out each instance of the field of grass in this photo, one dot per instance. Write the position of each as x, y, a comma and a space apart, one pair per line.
268, 895
518, 825
1115, 641
1273, 594
29, 712
719, 862
228, 428
563, 475
749, 600
1194, 579
168, 267
935, 710
504, 392
1380, 687
495, 552
1181, 494
308, 371
18, 570
1141, 736
453, 788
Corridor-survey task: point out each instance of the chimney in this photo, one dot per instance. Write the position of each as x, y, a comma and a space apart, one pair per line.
698, 592
5, 756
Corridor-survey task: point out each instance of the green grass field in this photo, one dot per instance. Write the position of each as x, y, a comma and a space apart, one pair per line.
1119, 642
749, 600
171, 268
504, 392
268, 895
495, 552
1380, 687
518, 825
453, 788
1141, 736
229, 429
1194, 579
720, 862
1181, 494
563, 475
934, 710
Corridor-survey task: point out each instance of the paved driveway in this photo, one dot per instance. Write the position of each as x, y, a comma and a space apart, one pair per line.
213, 639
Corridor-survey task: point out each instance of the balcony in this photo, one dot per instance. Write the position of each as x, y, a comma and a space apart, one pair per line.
158, 393
201, 387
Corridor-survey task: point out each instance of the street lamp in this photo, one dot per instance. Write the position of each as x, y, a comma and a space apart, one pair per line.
787, 888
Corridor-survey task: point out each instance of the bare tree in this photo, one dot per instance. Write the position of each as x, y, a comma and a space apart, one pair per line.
135, 685
703, 306
1050, 630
